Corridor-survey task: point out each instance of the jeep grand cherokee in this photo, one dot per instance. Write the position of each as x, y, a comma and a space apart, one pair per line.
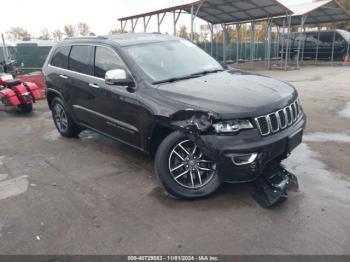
204, 123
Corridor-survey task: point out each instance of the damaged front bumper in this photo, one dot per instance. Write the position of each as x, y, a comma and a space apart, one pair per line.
244, 157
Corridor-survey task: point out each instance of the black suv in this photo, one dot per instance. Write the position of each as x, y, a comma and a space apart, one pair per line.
321, 45
205, 123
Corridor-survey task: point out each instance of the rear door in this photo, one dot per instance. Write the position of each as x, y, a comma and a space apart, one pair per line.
57, 79
81, 95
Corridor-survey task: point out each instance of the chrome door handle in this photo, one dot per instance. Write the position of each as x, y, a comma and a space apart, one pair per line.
94, 85
64, 76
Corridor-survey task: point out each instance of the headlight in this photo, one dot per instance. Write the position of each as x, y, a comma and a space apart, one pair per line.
233, 126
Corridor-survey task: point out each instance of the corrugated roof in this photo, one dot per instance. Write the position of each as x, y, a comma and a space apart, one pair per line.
225, 11
327, 11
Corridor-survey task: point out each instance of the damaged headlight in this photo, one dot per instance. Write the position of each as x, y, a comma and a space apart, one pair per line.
233, 126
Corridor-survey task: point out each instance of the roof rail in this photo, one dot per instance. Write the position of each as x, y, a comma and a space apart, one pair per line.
85, 38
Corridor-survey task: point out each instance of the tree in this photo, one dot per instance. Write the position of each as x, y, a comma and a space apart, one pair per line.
18, 33
83, 29
57, 35
196, 37
69, 30
45, 34
117, 31
183, 32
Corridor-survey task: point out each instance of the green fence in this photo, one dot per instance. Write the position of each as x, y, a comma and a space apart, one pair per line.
245, 50
29, 57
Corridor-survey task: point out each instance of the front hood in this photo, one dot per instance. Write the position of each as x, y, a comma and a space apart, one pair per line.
231, 94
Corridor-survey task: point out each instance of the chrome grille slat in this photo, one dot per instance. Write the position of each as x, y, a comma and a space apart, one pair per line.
282, 119
294, 111
273, 120
279, 120
289, 115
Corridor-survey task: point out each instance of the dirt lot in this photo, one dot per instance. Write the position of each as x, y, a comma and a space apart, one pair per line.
96, 196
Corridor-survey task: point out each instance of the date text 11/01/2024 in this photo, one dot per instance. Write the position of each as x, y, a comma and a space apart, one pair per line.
173, 258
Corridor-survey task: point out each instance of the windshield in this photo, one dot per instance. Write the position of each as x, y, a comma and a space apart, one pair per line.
172, 60
345, 35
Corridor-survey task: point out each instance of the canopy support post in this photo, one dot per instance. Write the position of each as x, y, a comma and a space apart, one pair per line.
192, 21
283, 38
175, 20
211, 28
302, 25
252, 42
333, 46
146, 23
133, 25
289, 21
194, 13
278, 40
224, 42
238, 28
348, 49
318, 42
269, 33
160, 21
304, 36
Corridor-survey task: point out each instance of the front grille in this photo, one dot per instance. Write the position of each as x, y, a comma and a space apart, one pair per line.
279, 120
263, 125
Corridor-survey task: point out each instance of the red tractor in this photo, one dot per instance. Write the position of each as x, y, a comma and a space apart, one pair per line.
15, 93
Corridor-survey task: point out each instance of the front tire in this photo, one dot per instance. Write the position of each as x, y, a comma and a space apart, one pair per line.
63, 121
184, 170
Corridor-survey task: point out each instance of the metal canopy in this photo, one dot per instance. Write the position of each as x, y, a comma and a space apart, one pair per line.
328, 11
225, 11
237, 11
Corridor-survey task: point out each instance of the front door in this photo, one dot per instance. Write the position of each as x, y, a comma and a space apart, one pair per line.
116, 108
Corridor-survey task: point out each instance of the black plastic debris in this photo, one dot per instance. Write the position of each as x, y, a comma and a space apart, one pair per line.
272, 186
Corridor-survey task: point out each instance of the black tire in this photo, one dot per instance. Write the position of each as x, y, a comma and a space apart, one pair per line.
25, 108
69, 128
162, 168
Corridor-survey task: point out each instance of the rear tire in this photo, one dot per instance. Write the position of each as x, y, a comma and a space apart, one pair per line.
63, 121
202, 178
25, 108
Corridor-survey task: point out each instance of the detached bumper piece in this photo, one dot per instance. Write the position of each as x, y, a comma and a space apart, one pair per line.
272, 186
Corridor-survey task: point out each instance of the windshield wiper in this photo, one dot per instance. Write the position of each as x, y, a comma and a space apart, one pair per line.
195, 75
175, 79
205, 72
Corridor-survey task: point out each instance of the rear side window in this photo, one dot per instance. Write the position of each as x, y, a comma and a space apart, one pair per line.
105, 60
326, 39
80, 59
60, 58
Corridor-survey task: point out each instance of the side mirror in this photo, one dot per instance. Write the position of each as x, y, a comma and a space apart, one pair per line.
118, 77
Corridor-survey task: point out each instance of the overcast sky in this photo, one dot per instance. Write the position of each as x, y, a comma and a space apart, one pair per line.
101, 15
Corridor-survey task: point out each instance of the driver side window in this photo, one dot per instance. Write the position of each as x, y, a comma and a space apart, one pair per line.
105, 60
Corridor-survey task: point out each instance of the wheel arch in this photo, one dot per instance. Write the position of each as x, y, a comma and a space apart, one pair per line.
159, 132
51, 94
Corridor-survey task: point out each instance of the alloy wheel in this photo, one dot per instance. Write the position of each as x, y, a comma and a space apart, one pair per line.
189, 167
60, 117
